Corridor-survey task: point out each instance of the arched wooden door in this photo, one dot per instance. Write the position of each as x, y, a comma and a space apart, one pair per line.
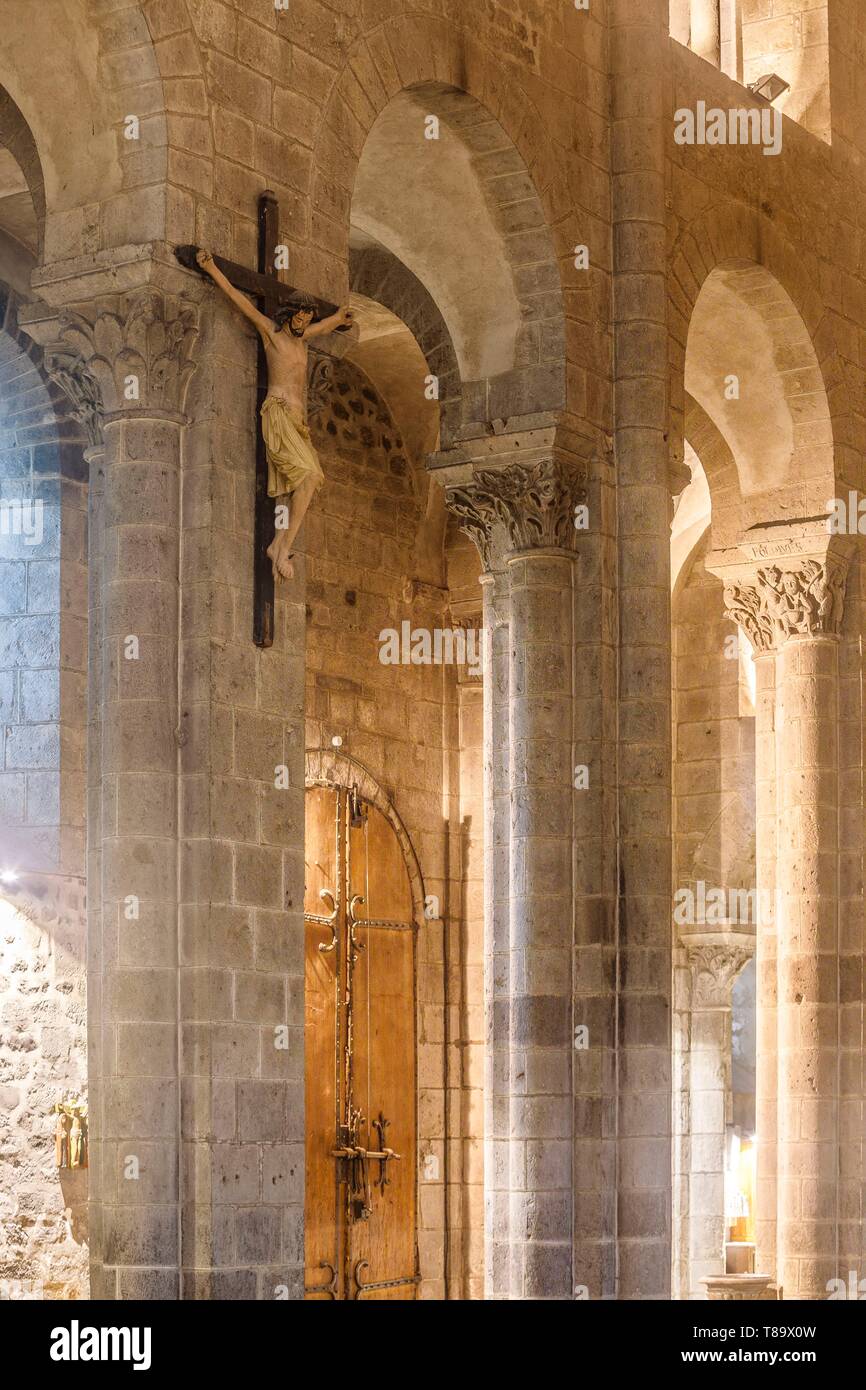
361, 1122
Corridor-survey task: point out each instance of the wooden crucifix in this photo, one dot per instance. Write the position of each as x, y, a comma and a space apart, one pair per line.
270, 295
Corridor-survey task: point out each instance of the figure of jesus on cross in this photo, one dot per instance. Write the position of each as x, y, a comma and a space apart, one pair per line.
293, 465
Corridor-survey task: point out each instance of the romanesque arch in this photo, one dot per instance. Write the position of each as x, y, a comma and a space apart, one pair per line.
729, 247
499, 287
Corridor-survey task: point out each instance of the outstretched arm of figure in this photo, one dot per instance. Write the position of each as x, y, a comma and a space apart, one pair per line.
343, 317
249, 310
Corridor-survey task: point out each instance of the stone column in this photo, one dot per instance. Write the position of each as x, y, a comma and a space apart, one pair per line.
136, 348
477, 518
766, 1061
542, 931
808, 1003
640, 57
526, 512
795, 609
715, 959
497, 976
730, 40
705, 37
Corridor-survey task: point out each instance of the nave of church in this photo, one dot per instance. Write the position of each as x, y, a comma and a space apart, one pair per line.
475, 911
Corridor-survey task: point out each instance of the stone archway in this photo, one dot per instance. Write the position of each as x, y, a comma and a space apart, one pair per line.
509, 189
729, 240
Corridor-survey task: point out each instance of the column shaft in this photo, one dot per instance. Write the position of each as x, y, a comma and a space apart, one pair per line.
705, 30
96, 546
716, 959
640, 49
136, 970
808, 966
541, 876
710, 1071
766, 1061
497, 839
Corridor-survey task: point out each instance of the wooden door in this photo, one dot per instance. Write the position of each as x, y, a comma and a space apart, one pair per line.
361, 1147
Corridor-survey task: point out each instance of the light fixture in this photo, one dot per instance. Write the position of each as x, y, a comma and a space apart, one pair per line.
8, 876
770, 86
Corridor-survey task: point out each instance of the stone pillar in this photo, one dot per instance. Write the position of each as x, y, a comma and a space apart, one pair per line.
766, 1061
730, 39
497, 841
136, 348
640, 56
715, 959
705, 39
525, 514
795, 608
542, 931
241, 926
477, 519
808, 966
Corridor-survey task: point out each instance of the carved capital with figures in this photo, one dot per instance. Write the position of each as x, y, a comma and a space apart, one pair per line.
803, 600
532, 504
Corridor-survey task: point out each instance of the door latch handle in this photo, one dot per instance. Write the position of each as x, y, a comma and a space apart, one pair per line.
358, 1159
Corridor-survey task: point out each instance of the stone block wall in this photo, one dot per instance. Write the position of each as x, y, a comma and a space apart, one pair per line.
790, 37
233, 99
43, 625
240, 939
43, 1210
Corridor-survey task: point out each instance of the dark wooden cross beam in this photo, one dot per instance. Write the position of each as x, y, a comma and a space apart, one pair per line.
270, 293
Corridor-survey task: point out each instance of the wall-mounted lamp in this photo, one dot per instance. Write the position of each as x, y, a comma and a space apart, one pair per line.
771, 86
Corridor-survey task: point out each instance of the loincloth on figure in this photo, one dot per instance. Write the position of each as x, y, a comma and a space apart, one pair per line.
291, 456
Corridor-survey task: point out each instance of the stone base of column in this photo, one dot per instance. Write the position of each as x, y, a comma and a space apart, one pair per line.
726, 1288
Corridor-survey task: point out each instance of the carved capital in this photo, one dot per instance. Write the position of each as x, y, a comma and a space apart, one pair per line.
69, 373
476, 517
137, 348
806, 599
534, 505
714, 969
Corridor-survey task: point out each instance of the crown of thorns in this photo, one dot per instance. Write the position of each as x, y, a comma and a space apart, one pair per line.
298, 304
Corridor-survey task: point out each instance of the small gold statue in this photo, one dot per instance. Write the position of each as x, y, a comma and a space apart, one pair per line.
70, 1134
61, 1138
